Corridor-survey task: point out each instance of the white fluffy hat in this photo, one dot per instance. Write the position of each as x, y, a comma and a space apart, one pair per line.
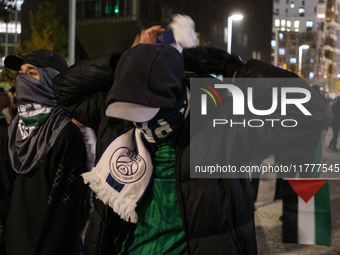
184, 31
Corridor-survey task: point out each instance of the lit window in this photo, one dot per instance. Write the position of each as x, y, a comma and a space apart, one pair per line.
280, 36
289, 23
283, 29
283, 23
277, 23
3, 28
282, 51
296, 23
311, 75
312, 60
19, 28
11, 28
273, 43
292, 60
309, 23
292, 5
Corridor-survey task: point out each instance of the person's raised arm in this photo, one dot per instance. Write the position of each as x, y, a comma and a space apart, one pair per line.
81, 89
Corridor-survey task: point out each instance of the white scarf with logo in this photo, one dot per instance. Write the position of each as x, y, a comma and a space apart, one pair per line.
124, 171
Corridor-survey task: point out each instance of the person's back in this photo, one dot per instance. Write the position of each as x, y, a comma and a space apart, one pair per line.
336, 111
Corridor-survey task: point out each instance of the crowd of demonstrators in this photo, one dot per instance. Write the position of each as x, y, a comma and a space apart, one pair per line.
129, 98
47, 154
138, 106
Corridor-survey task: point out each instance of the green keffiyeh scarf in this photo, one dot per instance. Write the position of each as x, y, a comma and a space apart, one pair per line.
31, 116
39, 121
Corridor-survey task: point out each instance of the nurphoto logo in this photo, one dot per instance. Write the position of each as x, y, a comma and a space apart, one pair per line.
239, 99
280, 98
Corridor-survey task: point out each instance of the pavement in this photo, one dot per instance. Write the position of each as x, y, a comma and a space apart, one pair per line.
268, 212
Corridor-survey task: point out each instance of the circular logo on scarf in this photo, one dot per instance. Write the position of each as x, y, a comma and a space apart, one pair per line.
126, 166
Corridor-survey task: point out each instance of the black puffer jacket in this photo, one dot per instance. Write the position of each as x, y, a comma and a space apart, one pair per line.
6, 180
218, 214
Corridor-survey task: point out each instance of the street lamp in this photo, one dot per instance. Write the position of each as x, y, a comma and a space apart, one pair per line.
230, 27
301, 48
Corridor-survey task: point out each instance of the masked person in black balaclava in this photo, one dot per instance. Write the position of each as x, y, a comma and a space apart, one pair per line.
47, 153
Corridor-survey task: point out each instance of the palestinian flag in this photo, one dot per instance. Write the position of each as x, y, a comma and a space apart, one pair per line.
306, 215
307, 220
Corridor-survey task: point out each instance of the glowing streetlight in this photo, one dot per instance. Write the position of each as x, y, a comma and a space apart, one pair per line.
235, 17
301, 48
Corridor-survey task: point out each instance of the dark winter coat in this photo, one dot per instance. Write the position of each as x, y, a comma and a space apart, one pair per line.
6, 179
47, 203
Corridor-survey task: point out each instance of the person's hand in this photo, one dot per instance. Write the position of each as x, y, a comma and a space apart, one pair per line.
148, 36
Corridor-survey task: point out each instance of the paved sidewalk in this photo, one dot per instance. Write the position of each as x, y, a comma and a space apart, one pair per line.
268, 212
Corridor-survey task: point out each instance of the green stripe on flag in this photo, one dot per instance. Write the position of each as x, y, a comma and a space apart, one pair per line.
322, 208
323, 227
36, 120
314, 217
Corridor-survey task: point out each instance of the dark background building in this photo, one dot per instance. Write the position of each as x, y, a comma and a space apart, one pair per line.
110, 25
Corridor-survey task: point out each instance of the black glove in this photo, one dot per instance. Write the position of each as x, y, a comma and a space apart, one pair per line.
203, 60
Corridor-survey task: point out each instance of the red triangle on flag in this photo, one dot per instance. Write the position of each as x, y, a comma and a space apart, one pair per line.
306, 189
